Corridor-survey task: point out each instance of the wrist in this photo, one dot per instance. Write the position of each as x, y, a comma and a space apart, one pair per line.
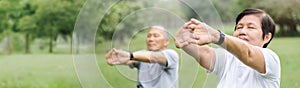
131, 57
220, 37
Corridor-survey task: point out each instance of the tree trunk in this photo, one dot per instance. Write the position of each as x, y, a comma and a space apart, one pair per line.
27, 47
71, 43
50, 45
292, 28
50, 41
281, 30
9, 44
77, 43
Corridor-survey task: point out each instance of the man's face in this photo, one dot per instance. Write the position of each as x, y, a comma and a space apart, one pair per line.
249, 30
156, 40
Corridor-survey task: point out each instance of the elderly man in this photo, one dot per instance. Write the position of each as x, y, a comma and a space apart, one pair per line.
157, 66
244, 61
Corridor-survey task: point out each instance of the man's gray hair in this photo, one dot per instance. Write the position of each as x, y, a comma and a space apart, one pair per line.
166, 34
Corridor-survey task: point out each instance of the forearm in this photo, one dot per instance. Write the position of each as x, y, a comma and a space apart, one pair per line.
150, 57
248, 54
203, 54
237, 47
192, 50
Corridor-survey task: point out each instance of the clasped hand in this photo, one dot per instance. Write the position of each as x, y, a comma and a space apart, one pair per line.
115, 56
195, 32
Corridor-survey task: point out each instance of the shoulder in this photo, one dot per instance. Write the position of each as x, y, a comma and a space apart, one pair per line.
169, 52
272, 63
268, 53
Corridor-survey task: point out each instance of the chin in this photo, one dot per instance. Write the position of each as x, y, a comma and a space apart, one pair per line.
153, 49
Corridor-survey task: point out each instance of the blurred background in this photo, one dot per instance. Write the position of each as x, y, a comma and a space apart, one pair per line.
37, 36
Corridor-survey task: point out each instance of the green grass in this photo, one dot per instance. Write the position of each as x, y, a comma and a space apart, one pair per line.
57, 70
37, 71
288, 50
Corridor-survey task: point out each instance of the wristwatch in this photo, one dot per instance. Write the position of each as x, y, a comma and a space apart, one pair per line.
221, 39
131, 56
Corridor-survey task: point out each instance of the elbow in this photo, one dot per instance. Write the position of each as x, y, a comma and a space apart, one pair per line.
249, 61
248, 58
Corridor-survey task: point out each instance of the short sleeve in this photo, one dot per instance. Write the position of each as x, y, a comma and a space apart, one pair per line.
272, 63
171, 56
220, 61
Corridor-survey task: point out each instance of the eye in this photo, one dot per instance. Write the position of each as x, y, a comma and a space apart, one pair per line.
251, 27
148, 36
156, 35
239, 27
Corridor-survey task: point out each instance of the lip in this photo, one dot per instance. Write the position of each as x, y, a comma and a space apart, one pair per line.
151, 44
243, 38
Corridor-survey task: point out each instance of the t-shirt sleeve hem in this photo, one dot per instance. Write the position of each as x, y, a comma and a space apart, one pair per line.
167, 54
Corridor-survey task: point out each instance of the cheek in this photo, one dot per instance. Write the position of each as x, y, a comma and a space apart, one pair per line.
235, 33
256, 37
162, 42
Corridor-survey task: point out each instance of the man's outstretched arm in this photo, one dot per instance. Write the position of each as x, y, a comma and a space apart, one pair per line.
249, 54
204, 55
122, 57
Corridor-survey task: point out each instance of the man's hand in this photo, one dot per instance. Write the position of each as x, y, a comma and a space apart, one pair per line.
117, 57
109, 58
183, 35
202, 33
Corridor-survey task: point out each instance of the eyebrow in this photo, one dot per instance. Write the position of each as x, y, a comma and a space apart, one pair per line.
248, 23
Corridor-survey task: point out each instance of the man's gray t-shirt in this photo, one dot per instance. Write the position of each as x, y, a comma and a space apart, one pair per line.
155, 75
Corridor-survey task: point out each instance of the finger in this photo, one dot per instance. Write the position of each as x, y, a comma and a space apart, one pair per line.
114, 49
181, 44
109, 58
183, 27
110, 61
114, 56
196, 35
192, 27
118, 51
184, 43
193, 41
115, 63
195, 21
108, 55
177, 44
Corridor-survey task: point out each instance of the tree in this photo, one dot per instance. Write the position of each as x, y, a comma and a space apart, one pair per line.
114, 17
27, 24
55, 17
9, 19
285, 13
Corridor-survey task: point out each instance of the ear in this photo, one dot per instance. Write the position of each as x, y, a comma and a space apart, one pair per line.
267, 38
167, 42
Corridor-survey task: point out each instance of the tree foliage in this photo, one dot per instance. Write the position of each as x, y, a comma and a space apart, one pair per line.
284, 12
46, 19
114, 16
39, 18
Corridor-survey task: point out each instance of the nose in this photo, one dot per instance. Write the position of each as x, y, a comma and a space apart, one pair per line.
151, 38
243, 31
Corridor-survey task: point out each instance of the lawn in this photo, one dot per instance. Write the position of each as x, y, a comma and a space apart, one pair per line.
37, 71
57, 70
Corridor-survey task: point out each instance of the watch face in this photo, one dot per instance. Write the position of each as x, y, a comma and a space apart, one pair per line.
221, 39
